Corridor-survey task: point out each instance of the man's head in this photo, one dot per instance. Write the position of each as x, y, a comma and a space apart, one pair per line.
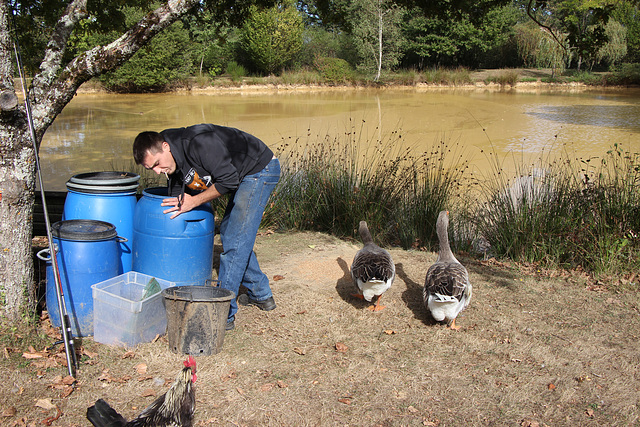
153, 152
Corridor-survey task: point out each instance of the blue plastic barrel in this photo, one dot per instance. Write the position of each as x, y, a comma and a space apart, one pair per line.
109, 197
179, 250
87, 253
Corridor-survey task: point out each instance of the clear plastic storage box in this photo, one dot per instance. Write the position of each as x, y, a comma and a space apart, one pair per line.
127, 310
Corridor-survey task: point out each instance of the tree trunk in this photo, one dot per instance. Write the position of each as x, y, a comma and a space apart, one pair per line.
379, 42
16, 206
52, 89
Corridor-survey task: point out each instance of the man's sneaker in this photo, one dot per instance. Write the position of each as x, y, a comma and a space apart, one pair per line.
266, 305
231, 324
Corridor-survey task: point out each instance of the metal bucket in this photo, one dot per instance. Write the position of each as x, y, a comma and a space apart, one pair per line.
196, 318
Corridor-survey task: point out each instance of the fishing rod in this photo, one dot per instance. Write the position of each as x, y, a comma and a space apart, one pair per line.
67, 334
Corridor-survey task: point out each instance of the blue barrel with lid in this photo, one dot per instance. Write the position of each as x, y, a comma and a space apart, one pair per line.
87, 252
106, 196
179, 250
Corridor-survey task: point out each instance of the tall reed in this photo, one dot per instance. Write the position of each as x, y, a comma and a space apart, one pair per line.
329, 184
566, 212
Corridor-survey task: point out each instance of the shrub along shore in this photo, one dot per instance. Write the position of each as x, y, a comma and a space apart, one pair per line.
434, 78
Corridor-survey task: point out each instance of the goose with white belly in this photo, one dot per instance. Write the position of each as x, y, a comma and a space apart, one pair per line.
372, 269
447, 290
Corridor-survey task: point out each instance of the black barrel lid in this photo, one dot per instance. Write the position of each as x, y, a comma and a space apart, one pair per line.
101, 189
83, 229
105, 178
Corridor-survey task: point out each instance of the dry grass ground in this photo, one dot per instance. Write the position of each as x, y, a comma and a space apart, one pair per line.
533, 350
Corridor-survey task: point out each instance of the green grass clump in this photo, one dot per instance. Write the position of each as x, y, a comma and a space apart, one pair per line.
624, 74
457, 76
329, 185
504, 78
235, 71
566, 213
334, 70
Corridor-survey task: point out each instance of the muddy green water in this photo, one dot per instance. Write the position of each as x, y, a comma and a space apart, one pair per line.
95, 131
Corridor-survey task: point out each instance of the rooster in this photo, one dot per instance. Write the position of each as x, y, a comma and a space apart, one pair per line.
175, 408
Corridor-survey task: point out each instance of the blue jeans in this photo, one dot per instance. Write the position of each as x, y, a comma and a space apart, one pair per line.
238, 230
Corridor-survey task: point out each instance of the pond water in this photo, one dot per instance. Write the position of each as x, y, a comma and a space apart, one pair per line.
95, 131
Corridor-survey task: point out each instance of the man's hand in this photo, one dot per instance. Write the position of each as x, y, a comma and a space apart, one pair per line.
186, 202
179, 204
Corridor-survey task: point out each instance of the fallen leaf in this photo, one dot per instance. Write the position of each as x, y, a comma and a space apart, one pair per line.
312, 246
148, 392
239, 390
551, 386
300, 351
282, 384
9, 412
390, 332
278, 277
34, 355
345, 400
128, 355
49, 420
89, 354
302, 312
66, 392
266, 387
341, 347
106, 376
45, 404
141, 368
412, 409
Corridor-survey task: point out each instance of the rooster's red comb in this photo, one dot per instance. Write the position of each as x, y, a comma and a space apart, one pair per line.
190, 363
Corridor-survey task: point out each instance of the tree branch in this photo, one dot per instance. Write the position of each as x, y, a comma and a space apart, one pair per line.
50, 65
101, 59
534, 19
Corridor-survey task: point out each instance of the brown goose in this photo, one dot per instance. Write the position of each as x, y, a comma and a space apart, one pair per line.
447, 290
372, 269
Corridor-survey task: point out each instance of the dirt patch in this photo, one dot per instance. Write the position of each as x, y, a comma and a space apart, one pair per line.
532, 349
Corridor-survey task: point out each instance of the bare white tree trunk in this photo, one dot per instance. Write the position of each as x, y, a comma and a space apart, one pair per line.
379, 40
51, 90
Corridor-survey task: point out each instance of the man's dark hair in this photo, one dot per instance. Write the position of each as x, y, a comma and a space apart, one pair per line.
148, 141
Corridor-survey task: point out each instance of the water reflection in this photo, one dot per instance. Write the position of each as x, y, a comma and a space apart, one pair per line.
95, 131
624, 117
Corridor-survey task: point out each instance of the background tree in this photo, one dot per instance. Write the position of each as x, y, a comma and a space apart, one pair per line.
165, 61
615, 49
455, 39
211, 50
271, 38
627, 14
582, 22
377, 33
